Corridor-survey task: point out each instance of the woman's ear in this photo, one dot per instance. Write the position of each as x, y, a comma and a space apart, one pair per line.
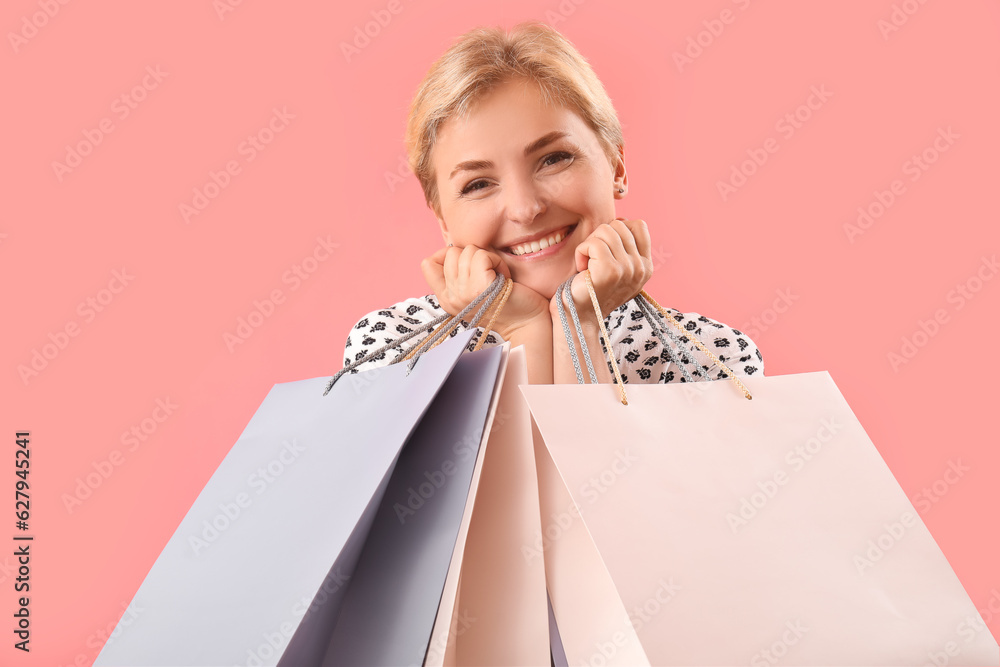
444, 227
620, 176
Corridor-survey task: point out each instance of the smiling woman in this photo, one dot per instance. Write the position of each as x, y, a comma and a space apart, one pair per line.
521, 157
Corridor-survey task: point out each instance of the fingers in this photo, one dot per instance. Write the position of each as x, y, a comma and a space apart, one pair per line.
635, 238
451, 259
486, 263
612, 242
595, 247
433, 270
465, 260
615, 234
643, 242
458, 275
624, 233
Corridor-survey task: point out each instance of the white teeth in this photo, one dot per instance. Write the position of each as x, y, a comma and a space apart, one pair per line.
535, 246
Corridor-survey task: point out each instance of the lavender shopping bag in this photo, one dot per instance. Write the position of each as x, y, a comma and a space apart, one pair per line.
260, 570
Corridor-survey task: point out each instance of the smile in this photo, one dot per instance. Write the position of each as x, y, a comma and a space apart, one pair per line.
538, 247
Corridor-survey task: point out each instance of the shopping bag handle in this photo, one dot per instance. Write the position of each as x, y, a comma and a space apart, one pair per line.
646, 304
644, 296
500, 287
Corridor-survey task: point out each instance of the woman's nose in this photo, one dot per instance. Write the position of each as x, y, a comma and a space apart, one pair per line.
524, 201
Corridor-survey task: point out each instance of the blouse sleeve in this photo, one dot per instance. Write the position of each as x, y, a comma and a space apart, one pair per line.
384, 327
730, 346
641, 356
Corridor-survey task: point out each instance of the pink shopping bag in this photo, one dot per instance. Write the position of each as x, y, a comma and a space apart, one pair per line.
756, 532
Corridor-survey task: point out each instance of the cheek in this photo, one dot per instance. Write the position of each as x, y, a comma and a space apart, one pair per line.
478, 228
588, 196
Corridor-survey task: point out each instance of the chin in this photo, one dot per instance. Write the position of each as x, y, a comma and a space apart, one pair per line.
545, 284
548, 293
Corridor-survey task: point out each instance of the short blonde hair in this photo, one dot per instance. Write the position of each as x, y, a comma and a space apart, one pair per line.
482, 59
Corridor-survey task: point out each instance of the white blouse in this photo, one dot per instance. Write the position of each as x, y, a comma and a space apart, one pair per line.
638, 351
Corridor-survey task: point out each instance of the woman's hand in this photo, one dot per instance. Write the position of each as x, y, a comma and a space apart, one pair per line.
459, 275
619, 257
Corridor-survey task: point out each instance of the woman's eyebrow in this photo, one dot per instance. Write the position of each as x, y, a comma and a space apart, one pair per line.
543, 141
536, 145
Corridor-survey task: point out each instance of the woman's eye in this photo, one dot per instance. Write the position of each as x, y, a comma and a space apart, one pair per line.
560, 155
472, 186
549, 160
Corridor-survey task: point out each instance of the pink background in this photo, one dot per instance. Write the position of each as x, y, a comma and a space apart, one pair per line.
331, 172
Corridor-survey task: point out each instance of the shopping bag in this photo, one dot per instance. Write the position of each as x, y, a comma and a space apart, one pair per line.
497, 613
394, 593
755, 531
590, 624
260, 570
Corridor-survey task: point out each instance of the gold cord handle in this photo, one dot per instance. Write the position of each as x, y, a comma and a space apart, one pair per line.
604, 332
668, 318
508, 287
452, 323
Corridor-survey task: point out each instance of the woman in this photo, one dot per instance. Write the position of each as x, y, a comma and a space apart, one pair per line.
521, 158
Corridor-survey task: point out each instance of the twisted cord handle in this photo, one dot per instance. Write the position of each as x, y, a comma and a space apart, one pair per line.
732, 376
489, 294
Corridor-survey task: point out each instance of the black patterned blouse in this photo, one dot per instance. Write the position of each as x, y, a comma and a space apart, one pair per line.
640, 355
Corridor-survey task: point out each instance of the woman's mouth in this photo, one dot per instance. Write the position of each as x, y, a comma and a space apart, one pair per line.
543, 247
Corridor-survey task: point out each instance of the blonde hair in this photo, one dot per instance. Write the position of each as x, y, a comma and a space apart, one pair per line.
482, 59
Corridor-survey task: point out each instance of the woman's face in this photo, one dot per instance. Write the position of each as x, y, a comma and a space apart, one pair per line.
516, 175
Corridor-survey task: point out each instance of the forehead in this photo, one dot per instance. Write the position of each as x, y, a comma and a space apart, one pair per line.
504, 120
